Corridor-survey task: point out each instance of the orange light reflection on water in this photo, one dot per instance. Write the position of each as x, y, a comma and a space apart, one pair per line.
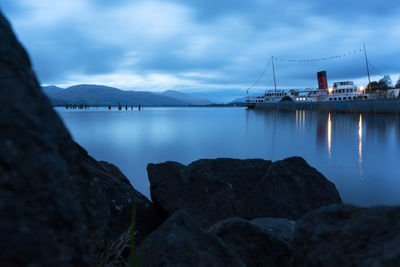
360, 159
329, 134
360, 139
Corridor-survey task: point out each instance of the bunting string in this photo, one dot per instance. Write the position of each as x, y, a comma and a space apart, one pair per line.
321, 59
376, 70
312, 60
260, 76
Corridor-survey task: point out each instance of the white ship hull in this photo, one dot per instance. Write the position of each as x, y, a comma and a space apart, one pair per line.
342, 91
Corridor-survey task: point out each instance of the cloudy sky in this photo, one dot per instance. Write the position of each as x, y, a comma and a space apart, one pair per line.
207, 48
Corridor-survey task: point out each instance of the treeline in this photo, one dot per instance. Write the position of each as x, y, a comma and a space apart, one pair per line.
383, 84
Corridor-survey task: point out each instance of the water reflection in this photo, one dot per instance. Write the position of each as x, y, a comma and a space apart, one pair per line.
360, 139
300, 119
360, 146
329, 134
346, 148
359, 153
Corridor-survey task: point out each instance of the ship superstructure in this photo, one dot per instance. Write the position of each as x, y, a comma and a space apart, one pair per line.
340, 91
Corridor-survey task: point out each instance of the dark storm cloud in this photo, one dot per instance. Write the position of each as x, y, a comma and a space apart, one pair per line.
68, 52
204, 46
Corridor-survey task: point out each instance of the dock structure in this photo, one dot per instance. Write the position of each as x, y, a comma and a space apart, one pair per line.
389, 106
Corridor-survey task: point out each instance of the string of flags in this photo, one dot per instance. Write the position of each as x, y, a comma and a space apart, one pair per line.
310, 60
321, 59
374, 69
259, 77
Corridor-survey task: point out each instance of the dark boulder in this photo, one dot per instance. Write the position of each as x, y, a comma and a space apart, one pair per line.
209, 190
290, 189
120, 197
179, 242
241, 174
54, 209
282, 229
344, 235
214, 190
257, 244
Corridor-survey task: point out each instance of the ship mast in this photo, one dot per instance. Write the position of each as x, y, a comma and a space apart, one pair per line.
366, 62
273, 71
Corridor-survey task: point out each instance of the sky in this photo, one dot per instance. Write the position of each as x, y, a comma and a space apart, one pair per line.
213, 49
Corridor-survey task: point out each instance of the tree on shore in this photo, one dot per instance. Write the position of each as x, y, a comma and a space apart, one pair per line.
374, 86
397, 84
383, 84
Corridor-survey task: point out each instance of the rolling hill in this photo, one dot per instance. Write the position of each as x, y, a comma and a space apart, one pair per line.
103, 95
51, 90
186, 98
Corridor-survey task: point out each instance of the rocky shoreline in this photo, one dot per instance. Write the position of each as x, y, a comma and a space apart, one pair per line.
61, 207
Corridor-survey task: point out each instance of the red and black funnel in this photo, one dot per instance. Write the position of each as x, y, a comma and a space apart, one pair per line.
322, 80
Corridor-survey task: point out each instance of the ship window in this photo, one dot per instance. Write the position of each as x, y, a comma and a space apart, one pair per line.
354, 97
365, 97
330, 99
344, 98
335, 98
340, 98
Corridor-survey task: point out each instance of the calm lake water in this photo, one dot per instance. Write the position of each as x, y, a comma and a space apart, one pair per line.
359, 153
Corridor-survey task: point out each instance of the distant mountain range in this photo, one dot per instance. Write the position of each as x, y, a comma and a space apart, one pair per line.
103, 95
186, 98
238, 100
51, 90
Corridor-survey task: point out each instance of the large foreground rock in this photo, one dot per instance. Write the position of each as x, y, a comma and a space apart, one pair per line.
283, 229
266, 242
55, 200
213, 190
179, 242
205, 188
290, 189
120, 197
344, 235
